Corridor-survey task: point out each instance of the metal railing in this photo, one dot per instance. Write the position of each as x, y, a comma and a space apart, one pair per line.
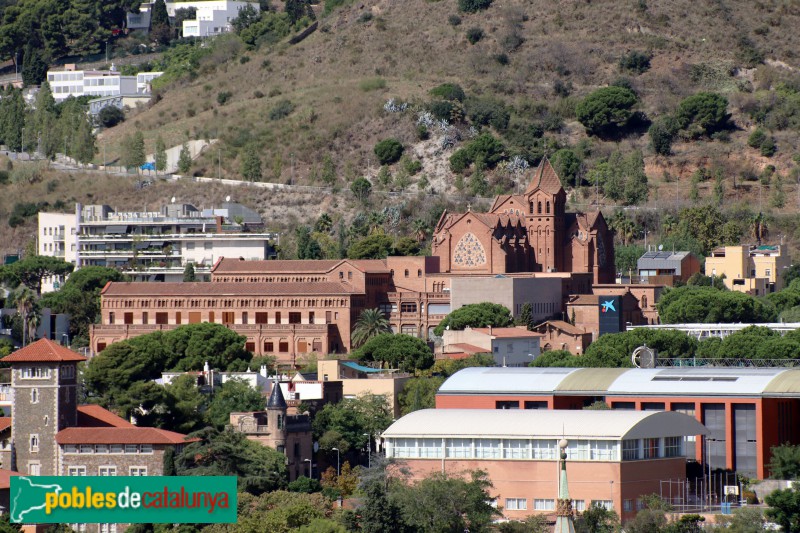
727, 363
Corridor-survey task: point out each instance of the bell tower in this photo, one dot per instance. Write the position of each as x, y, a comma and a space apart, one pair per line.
276, 418
545, 218
44, 384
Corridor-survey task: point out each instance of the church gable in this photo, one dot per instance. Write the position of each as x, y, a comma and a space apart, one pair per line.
469, 252
509, 205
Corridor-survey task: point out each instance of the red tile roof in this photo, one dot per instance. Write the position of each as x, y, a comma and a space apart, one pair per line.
5, 423
466, 348
43, 350
218, 289
95, 416
561, 325
5, 478
545, 178
232, 265
119, 435
507, 333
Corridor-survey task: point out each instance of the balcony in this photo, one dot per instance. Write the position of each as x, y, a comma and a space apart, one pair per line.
58, 237
430, 297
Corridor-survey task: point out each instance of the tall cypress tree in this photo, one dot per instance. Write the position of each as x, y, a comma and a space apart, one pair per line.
159, 23
34, 67
14, 120
84, 141
42, 122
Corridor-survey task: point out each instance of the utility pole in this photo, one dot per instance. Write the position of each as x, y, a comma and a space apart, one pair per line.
291, 176
219, 164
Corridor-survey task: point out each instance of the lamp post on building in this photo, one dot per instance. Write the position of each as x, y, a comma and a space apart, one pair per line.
309, 466
337, 460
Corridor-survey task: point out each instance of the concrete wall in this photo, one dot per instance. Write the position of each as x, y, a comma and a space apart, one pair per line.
544, 294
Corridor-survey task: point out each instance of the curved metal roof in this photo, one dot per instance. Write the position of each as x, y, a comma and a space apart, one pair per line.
704, 381
539, 423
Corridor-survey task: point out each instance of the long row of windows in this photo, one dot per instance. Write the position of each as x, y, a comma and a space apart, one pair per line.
532, 449
229, 303
108, 448
227, 317
549, 504
106, 471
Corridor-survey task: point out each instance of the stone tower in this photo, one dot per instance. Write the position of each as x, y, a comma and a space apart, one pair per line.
44, 384
276, 418
564, 521
545, 218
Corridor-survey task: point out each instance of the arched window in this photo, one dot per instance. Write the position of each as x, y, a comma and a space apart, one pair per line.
419, 272
530, 205
548, 208
34, 395
406, 272
539, 208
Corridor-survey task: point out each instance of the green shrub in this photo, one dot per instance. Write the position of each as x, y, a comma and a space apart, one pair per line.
441, 109
282, 109
5, 176
488, 111
662, 133
768, 147
635, 61
502, 58
756, 138
473, 6
422, 132
562, 89
702, 114
484, 148
411, 166
449, 91
606, 110
474, 35
388, 151
244, 59
223, 97
372, 84
365, 17
110, 116
454, 20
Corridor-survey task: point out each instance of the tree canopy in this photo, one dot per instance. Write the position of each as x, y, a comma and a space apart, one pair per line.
396, 350
32, 270
228, 453
348, 424
606, 110
110, 374
707, 304
480, 315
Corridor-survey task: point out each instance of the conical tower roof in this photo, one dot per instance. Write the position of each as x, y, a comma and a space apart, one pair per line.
276, 400
545, 179
564, 520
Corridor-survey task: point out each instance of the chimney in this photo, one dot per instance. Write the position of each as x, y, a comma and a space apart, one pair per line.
219, 224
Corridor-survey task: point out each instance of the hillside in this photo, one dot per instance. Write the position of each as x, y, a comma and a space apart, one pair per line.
313, 112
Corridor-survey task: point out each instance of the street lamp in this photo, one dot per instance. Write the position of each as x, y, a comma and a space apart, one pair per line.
309, 466
708, 463
337, 460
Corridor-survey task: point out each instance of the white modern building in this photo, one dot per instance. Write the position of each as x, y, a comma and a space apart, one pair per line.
213, 17
144, 81
153, 246
72, 82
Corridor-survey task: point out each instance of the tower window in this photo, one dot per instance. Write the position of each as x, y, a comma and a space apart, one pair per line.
34, 395
548, 208
539, 208
34, 443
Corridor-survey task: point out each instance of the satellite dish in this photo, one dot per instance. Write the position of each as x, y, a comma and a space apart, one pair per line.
173, 200
644, 357
660, 247
228, 198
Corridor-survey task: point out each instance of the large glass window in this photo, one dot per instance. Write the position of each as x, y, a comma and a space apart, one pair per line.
405, 448
430, 448
651, 450
516, 504
487, 448
543, 449
578, 450
516, 449
604, 450
544, 504
672, 446
630, 450
459, 448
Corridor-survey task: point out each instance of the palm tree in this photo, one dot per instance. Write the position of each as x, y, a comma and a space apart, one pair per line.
758, 226
371, 323
25, 301
421, 230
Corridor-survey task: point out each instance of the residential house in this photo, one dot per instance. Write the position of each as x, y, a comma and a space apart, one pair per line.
509, 346
754, 270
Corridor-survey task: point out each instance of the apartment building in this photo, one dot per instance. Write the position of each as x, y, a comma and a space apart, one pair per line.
754, 270
212, 17
153, 245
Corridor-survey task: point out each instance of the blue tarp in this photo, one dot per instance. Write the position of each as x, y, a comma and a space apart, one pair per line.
360, 368
148, 166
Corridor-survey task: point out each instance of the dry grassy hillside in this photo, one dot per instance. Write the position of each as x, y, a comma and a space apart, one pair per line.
363, 54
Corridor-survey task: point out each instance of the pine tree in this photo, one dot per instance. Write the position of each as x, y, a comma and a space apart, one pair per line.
133, 150
160, 155
526, 316
184, 160
778, 195
251, 164
719, 188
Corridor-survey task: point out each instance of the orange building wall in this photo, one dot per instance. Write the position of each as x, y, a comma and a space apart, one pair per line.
588, 480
